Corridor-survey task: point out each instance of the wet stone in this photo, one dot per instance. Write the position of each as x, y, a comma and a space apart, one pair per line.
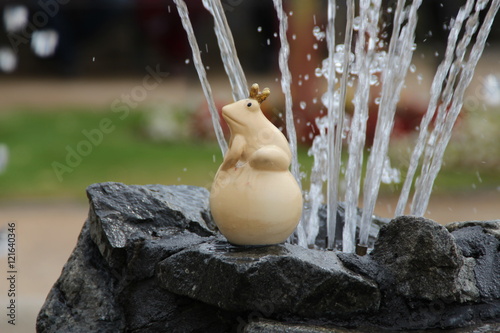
284, 279
149, 259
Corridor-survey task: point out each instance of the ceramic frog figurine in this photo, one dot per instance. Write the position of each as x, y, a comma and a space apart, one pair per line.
254, 199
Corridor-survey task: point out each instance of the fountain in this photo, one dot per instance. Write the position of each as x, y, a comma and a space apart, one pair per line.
447, 91
150, 258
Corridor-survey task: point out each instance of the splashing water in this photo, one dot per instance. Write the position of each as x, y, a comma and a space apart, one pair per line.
435, 143
202, 74
336, 111
228, 50
365, 49
286, 81
393, 76
370, 66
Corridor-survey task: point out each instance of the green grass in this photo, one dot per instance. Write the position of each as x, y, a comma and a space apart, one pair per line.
38, 139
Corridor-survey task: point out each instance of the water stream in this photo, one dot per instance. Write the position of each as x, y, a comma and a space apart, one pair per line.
202, 74
393, 77
228, 50
375, 62
286, 82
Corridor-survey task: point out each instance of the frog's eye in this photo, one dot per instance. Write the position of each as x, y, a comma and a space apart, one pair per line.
249, 104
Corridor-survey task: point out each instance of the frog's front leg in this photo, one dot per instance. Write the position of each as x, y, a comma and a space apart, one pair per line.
234, 153
271, 158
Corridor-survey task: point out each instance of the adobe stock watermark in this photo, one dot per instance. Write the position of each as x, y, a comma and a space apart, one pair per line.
11, 273
95, 136
49, 9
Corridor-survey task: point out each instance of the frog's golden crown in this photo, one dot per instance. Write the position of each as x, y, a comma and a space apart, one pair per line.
259, 96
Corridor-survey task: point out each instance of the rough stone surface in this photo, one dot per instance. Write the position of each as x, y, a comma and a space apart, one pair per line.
281, 279
377, 223
83, 298
149, 259
424, 261
424, 279
477, 242
121, 214
489, 227
108, 283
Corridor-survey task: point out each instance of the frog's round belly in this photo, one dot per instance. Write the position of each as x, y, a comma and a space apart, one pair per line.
255, 207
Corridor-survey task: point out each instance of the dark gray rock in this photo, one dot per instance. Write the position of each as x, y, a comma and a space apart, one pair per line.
377, 223
150, 260
107, 285
489, 227
476, 241
283, 279
149, 308
121, 214
423, 261
269, 326
84, 297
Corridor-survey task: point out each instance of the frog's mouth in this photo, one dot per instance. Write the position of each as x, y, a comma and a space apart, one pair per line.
230, 120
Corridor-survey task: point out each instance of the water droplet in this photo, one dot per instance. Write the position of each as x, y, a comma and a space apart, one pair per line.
93, 59
306, 77
413, 68
377, 100
44, 42
491, 92
315, 46
268, 41
213, 158
356, 23
436, 54
419, 78
185, 169
308, 56
320, 35
299, 83
294, 36
15, 17
186, 61
8, 60
389, 10
208, 68
318, 72
259, 29
390, 175
373, 80
275, 34
303, 105
315, 100
291, 13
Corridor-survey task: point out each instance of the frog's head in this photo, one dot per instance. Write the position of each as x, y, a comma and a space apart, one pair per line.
245, 114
